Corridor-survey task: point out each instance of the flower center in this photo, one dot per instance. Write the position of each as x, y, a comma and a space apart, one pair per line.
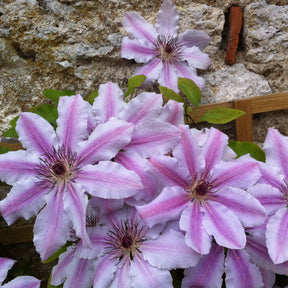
203, 188
199, 190
168, 48
123, 241
58, 167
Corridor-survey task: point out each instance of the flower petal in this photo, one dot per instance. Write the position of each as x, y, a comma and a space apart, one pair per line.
5, 265
275, 148
144, 275
75, 206
270, 197
246, 207
105, 272
167, 19
25, 199
35, 133
242, 173
208, 272
137, 50
154, 137
23, 282
138, 27
151, 70
189, 154
184, 70
196, 58
53, 218
196, 236
122, 278
277, 235
72, 121
194, 38
167, 206
173, 113
17, 165
226, 228
164, 254
109, 180
146, 106
109, 102
169, 77
211, 152
105, 141
240, 272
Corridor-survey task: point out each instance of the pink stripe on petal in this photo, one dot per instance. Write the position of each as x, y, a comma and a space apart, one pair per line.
240, 272
165, 207
226, 228
151, 70
25, 199
72, 121
167, 19
277, 235
35, 133
173, 113
169, 77
196, 236
208, 272
138, 27
134, 49
194, 38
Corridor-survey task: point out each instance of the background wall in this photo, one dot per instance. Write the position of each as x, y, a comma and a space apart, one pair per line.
70, 44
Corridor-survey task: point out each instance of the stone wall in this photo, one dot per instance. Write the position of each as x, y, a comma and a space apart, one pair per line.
70, 44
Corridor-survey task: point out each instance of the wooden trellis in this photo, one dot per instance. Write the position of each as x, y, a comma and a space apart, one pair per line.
244, 131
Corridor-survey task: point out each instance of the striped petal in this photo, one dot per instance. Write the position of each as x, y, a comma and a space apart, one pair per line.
277, 235
196, 38
72, 121
138, 27
169, 76
167, 19
196, 58
240, 272
108, 103
25, 199
109, 180
166, 207
135, 49
226, 228
191, 222
173, 113
35, 133
17, 165
105, 141
208, 272
23, 282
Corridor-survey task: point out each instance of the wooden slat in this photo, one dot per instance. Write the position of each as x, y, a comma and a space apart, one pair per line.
14, 235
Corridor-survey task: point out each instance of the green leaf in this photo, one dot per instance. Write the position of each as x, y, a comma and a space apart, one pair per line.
221, 115
91, 97
190, 90
4, 150
57, 253
54, 95
11, 132
47, 111
169, 94
134, 82
242, 148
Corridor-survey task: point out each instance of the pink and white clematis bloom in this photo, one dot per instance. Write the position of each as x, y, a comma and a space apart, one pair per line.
125, 253
273, 194
58, 169
19, 282
205, 193
166, 54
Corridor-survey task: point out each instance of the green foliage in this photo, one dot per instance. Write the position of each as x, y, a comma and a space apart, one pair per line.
11, 132
91, 97
169, 94
190, 90
47, 111
242, 148
54, 95
221, 115
134, 82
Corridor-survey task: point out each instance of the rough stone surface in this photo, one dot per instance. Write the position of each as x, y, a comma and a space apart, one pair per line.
75, 45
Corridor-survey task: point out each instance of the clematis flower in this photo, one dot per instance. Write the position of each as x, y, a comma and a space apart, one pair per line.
205, 192
166, 54
272, 193
19, 282
126, 253
59, 168
155, 131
